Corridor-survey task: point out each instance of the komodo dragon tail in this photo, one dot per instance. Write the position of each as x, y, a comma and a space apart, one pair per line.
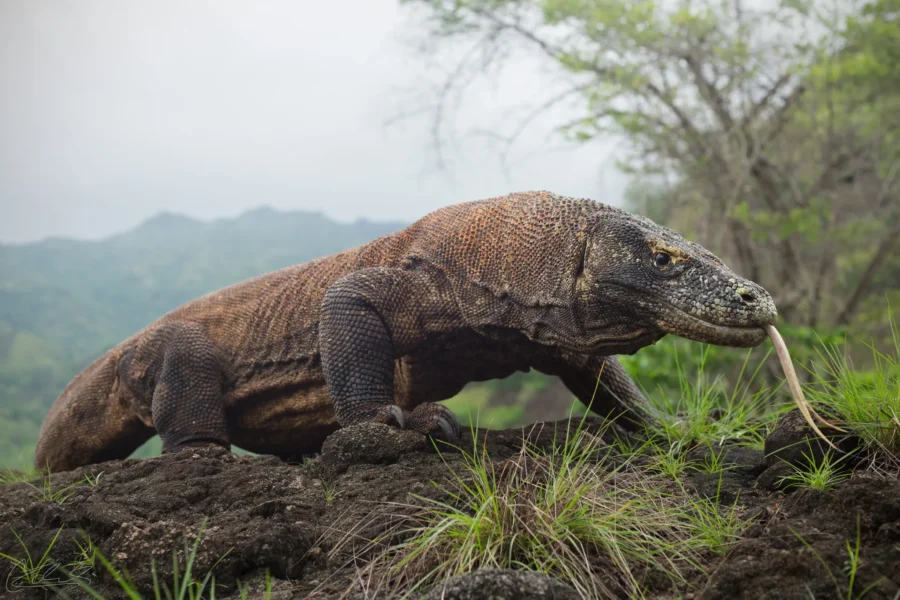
90, 422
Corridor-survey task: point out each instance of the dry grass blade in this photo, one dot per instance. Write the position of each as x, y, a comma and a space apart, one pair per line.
790, 374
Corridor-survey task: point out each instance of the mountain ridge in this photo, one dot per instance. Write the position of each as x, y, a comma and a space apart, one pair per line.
170, 216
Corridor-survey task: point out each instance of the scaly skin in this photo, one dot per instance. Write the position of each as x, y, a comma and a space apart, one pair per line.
470, 292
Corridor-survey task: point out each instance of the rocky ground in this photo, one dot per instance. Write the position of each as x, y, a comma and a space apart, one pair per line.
299, 522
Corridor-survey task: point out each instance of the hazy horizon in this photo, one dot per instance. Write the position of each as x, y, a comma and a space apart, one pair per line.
115, 112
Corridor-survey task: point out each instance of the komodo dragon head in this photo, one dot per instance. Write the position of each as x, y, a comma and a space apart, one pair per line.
653, 275
659, 277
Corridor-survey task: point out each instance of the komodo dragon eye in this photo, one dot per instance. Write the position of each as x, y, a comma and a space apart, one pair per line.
662, 259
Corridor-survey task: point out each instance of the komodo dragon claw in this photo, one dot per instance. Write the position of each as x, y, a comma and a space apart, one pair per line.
435, 420
447, 429
431, 419
398, 415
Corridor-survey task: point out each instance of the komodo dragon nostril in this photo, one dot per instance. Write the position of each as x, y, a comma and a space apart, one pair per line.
746, 295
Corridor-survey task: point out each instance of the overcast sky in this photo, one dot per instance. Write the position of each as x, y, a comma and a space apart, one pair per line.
112, 111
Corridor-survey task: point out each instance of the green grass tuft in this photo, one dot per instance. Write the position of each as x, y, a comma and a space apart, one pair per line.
704, 412
568, 513
824, 474
867, 402
32, 571
713, 526
45, 492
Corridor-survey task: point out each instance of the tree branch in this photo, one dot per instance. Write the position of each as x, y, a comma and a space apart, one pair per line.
882, 252
710, 93
761, 105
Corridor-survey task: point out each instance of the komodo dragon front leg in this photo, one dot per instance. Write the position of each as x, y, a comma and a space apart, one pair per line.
369, 319
603, 386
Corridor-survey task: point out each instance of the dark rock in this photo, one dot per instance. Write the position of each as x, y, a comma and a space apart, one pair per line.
314, 534
776, 563
772, 479
502, 584
367, 443
723, 487
794, 441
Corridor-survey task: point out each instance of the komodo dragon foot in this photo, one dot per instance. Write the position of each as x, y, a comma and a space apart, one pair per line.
430, 419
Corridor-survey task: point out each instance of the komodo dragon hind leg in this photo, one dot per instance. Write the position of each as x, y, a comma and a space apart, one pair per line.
368, 318
187, 404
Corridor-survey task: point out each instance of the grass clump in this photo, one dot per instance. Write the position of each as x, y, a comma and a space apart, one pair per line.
32, 571
704, 412
667, 460
865, 401
44, 571
568, 513
823, 474
712, 463
46, 492
713, 527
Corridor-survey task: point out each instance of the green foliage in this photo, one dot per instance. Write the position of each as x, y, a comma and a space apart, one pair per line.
45, 492
871, 57
506, 403
566, 511
244, 589
699, 407
9, 476
45, 572
712, 463
713, 526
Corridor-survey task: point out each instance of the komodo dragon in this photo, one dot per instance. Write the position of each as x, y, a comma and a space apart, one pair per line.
381, 332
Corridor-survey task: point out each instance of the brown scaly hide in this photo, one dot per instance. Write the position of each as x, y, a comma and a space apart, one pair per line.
470, 292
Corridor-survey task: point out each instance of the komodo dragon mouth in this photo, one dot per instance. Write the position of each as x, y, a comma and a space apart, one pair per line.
701, 330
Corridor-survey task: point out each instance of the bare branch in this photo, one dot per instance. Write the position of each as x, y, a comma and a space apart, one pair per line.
709, 93
763, 103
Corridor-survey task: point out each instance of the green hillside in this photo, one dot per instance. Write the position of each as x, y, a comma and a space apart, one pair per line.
64, 302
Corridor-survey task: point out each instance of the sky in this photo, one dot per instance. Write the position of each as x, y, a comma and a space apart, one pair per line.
111, 112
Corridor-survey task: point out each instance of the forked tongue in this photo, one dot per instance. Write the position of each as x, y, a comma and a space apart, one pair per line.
794, 384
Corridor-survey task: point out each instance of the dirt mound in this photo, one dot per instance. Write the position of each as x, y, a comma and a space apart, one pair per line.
260, 514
